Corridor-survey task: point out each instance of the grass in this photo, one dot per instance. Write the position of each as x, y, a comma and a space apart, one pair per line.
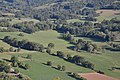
74, 20
102, 62
16, 20
37, 67
42, 72
107, 14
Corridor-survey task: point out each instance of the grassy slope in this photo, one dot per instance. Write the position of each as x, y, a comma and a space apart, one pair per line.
102, 62
38, 68
16, 20
107, 14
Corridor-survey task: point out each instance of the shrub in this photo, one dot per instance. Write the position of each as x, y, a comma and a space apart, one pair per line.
49, 63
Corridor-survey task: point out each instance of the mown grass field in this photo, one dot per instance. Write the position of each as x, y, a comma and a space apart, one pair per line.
102, 62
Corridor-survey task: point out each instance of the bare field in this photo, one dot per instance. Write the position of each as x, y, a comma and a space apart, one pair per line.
96, 76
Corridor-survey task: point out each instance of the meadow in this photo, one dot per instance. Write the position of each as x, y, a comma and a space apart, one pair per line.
107, 14
102, 62
17, 20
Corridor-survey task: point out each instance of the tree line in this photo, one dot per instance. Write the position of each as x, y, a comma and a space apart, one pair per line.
76, 59
23, 44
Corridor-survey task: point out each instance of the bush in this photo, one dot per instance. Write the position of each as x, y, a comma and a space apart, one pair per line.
63, 68
59, 67
29, 56
20, 64
16, 71
11, 49
20, 34
14, 64
60, 54
27, 66
49, 63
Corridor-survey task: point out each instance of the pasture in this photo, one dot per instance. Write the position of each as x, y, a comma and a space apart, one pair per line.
17, 20
107, 14
102, 62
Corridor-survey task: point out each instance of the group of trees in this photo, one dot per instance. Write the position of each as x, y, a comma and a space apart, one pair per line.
60, 10
31, 27
17, 63
80, 44
113, 47
2, 49
24, 44
87, 46
50, 47
6, 67
76, 76
64, 9
27, 27
4, 23
114, 6
107, 30
80, 61
76, 28
59, 67
76, 59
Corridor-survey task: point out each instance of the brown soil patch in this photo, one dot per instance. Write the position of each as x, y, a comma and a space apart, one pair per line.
96, 76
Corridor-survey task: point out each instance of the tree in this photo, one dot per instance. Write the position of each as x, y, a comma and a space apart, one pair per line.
63, 68
78, 47
49, 63
27, 66
90, 48
69, 57
78, 59
59, 67
14, 59
51, 45
11, 49
16, 71
2, 49
29, 56
14, 64
60, 54
20, 64
18, 49
7, 69
21, 76
76, 75
48, 50
21, 34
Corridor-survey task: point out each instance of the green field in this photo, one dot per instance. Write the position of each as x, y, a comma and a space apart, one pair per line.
102, 62
16, 20
37, 67
107, 14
